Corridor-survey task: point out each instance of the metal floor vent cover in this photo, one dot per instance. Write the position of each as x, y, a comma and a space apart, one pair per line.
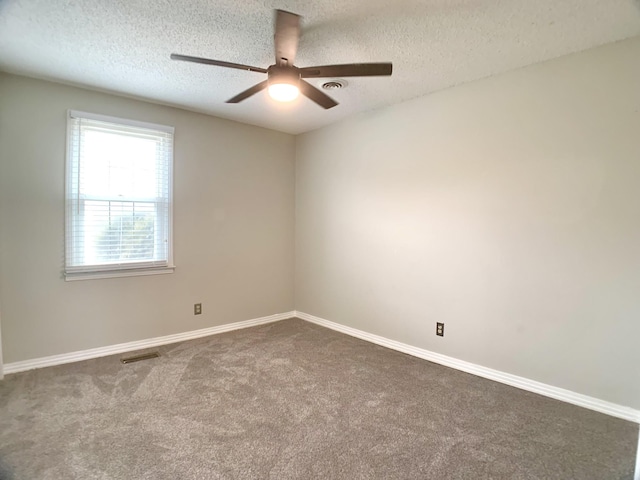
138, 358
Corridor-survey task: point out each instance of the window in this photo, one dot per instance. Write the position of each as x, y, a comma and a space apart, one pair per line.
118, 197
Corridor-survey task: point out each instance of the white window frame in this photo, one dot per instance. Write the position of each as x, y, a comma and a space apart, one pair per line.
72, 219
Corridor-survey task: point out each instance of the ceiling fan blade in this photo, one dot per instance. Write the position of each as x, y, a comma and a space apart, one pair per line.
286, 37
348, 70
218, 63
311, 92
248, 92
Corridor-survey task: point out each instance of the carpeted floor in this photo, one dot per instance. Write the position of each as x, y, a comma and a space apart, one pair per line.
292, 400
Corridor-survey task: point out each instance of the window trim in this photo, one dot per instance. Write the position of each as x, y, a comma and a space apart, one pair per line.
137, 272
88, 272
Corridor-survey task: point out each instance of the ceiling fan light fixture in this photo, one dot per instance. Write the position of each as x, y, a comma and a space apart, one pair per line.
284, 83
283, 92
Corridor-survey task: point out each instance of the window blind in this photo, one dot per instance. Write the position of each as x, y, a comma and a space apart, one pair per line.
118, 194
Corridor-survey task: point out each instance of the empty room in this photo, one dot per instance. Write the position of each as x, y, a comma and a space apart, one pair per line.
319, 240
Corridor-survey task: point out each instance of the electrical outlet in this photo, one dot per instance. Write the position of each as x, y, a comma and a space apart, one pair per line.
197, 309
440, 329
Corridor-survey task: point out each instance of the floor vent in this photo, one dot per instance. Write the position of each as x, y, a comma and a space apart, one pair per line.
138, 358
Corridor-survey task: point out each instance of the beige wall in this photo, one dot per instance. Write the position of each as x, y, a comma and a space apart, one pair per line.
233, 227
508, 208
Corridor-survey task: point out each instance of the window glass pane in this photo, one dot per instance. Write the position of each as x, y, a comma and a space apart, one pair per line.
119, 231
113, 164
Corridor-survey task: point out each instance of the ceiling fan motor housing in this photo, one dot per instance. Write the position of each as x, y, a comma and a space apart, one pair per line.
278, 75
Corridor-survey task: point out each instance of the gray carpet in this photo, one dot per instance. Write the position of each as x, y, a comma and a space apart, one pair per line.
292, 400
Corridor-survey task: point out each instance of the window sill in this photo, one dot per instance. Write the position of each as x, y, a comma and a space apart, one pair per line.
72, 277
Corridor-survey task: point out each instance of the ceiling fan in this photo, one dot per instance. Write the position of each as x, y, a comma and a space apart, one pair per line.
285, 80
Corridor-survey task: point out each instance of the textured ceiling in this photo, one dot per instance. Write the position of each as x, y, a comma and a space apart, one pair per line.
123, 46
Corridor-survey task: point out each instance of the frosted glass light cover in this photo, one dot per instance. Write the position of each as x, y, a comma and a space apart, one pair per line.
283, 92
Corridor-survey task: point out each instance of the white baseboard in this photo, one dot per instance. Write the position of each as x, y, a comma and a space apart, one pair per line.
568, 396
21, 366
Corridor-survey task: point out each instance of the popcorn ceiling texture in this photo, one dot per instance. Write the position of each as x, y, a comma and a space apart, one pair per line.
123, 46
